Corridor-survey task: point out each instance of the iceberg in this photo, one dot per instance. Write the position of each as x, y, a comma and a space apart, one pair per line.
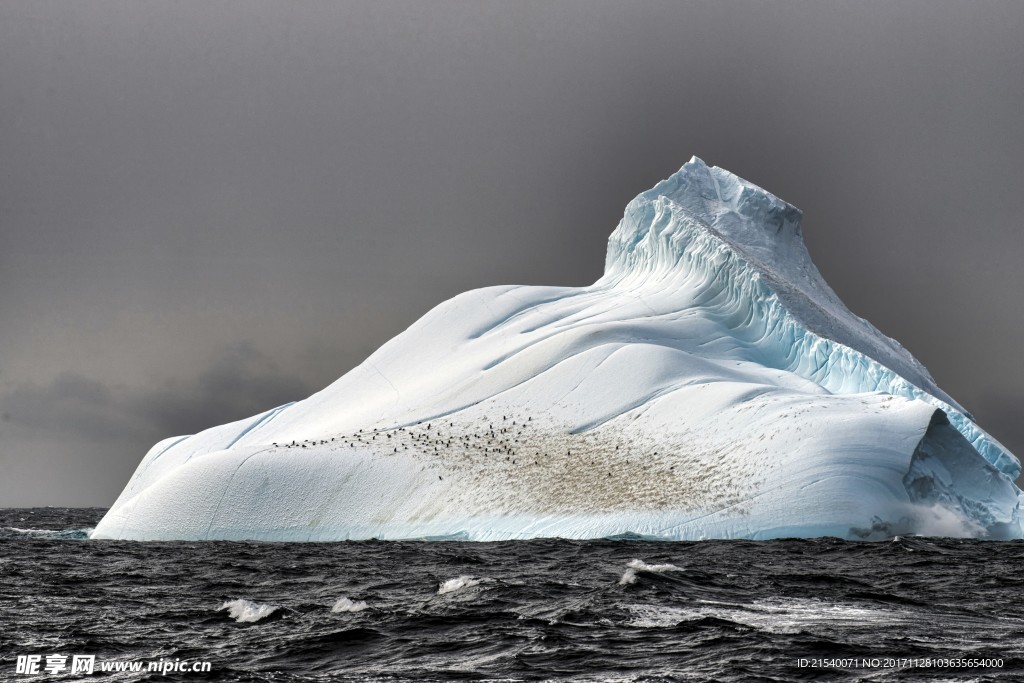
709, 385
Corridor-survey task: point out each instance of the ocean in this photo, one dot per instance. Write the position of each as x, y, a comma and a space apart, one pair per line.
905, 609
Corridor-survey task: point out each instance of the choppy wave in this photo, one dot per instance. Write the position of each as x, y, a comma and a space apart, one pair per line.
553, 610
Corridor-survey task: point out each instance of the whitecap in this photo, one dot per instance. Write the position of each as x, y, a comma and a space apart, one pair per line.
242, 610
346, 605
636, 566
770, 616
458, 583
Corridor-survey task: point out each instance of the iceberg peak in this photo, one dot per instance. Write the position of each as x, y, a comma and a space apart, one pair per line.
708, 220
718, 197
754, 222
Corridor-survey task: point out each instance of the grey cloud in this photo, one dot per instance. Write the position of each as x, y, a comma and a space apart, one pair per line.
71, 405
240, 382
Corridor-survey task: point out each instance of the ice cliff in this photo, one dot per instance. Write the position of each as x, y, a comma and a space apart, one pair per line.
709, 385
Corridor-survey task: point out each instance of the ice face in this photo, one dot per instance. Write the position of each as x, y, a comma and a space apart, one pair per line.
710, 384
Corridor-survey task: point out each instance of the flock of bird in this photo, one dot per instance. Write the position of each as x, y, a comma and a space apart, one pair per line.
500, 438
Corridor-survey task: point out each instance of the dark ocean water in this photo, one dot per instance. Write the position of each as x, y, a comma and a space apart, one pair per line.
610, 610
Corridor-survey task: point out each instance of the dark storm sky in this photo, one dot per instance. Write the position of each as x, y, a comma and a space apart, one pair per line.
208, 209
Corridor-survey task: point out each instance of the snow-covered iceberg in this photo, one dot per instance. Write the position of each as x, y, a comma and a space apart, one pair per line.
709, 385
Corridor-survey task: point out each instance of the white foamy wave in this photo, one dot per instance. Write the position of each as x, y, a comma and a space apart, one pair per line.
242, 610
779, 616
636, 566
346, 605
458, 583
73, 534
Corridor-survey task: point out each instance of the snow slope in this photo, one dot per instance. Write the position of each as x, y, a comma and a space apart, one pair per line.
709, 385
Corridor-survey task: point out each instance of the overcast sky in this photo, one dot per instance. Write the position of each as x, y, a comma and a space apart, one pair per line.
208, 209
